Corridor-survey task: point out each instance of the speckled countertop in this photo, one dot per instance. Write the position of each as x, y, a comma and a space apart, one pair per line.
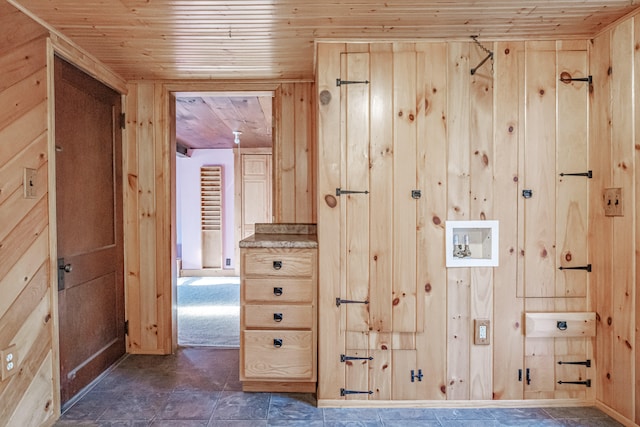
282, 236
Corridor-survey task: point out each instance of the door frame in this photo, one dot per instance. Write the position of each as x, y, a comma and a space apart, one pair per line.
186, 88
86, 63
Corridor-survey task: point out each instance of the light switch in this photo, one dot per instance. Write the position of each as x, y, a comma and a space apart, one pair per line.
613, 202
29, 183
482, 335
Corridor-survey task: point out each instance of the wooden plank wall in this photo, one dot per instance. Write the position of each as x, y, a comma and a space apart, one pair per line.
473, 131
149, 192
27, 398
615, 125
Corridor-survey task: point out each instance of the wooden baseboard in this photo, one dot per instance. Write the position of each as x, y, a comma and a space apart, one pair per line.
278, 387
615, 415
533, 403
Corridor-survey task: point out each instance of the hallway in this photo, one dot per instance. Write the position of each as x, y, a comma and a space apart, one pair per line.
199, 386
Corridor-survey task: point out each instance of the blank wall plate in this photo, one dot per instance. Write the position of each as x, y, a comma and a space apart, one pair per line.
483, 332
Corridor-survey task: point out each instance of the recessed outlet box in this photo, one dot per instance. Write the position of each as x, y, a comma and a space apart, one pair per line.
483, 332
613, 202
9, 358
29, 183
471, 243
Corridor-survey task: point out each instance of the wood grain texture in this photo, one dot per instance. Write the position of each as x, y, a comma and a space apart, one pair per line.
172, 39
25, 309
507, 324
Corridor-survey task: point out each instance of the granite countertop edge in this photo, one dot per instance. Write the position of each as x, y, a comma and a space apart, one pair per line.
282, 236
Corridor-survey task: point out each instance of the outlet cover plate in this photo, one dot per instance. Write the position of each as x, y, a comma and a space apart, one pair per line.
9, 359
482, 332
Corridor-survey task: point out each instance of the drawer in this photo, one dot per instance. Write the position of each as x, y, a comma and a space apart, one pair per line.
279, 262
267, 358
270, 290
559, 325
278, 316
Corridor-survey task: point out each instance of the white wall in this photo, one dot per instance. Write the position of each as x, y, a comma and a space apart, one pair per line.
188, 205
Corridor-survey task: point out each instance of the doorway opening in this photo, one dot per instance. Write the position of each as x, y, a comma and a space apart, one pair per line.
220, 193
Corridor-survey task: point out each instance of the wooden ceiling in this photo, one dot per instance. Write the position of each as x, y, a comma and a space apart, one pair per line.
274, 39
209, 121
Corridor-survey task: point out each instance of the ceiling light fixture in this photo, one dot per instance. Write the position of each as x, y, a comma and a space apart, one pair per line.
236, 136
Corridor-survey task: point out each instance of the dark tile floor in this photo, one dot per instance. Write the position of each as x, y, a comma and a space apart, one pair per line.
199, 386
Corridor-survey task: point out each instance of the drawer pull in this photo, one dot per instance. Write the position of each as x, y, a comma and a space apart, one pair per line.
277, 317
277, 342
277, 291
562, 325
277, 265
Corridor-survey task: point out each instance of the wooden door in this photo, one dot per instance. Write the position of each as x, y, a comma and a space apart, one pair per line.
379, 223
89, 227
256, 191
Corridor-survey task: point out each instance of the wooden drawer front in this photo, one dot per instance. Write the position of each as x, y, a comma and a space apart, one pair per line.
278, 316
560, 325
269, 290
279, 262
264, 360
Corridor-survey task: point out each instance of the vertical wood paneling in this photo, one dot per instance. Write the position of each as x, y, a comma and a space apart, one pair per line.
331, 339
381, 177
355, 67
28, 398
481, 207
458, 190
507, 325
432, 211
404, 181
601, 227
295, 153
622, 162
636, 213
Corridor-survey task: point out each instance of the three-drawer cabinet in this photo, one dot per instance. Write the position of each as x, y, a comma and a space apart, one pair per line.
278, 326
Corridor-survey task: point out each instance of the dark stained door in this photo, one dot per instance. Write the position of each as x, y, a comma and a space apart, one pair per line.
89, 227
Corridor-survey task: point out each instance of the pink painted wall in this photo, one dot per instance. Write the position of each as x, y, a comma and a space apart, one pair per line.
188, 206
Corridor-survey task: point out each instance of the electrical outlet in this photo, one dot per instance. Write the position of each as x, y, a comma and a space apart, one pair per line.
228, 261
9, 358
29, 183
613, 202
482, 335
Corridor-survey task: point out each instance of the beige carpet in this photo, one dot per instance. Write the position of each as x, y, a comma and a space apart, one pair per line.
209, 311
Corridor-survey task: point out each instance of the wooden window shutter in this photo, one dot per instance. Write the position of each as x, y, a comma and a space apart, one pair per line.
211, 210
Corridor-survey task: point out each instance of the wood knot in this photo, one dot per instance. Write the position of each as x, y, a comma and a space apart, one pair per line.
544, 253
47, 318
608, 376
400, 114
511, 250
396, 301
517, 325
541, 92
436, 220
325, 97
331, 201
565, 77
384, 347
609, 320
47, 405
411, 117
348, 363
485, 160
628, 344
385, 366
568, 257
375, 257
609, 71
507, 51
511, 129
427, 287
443, 389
